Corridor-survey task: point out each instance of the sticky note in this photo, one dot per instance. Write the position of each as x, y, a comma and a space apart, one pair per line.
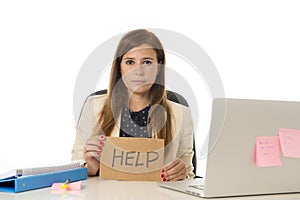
267, 151
57, 187
290, 142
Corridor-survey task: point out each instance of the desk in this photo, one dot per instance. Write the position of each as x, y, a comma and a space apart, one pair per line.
95, 188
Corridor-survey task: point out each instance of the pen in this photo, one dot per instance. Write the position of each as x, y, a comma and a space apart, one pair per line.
66, 184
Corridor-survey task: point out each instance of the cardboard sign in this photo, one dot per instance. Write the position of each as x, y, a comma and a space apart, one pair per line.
136, 159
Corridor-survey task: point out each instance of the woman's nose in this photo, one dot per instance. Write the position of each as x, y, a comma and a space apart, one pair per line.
139, 70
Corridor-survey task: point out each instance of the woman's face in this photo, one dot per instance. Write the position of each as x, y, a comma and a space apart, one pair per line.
139, 69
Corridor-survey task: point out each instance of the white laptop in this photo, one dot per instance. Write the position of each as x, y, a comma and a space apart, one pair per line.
231, 168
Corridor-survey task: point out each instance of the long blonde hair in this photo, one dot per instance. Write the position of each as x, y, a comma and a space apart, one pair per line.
117, 91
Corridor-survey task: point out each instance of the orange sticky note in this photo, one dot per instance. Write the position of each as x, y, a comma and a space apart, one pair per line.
290, 142
267, 151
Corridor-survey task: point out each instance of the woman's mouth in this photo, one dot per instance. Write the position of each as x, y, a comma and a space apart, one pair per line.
138, 82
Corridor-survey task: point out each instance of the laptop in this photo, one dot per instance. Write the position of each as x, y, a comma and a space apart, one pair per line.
231, 169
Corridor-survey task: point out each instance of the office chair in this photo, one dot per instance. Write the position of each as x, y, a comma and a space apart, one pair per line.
172, 96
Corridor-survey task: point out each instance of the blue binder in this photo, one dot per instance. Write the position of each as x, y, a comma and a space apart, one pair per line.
25, 183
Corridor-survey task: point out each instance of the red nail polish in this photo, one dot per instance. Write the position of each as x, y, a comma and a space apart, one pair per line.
162, 175
164, 179
100, 148
101, 143
162, 170
102, 137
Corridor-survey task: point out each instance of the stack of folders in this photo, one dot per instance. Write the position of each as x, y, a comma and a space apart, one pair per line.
21, 180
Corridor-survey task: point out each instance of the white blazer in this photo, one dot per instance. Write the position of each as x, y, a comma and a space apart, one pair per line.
180, 147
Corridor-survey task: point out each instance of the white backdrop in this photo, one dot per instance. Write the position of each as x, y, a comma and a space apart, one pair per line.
255, 46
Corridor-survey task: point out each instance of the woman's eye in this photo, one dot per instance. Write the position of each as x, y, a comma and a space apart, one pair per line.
147, 62
129, 62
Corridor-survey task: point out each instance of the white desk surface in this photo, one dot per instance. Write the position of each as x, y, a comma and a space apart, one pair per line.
95, 188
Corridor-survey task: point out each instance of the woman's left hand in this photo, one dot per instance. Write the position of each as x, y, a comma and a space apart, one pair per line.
174, 171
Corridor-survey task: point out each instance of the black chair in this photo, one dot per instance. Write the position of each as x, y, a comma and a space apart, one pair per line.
172, 96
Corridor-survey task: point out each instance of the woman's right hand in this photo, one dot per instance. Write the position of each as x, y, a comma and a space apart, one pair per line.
92, 153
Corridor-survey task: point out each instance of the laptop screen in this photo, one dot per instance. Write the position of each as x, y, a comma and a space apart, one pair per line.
232, 167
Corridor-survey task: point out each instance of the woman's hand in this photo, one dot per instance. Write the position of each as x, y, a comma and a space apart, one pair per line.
174, 171
92, 152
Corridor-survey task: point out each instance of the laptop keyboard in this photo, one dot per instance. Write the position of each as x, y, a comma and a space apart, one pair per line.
199, 187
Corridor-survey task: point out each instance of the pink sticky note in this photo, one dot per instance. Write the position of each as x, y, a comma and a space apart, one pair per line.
267, 151
290, 142
75, 186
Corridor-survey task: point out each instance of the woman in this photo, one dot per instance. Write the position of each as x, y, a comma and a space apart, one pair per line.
136, 105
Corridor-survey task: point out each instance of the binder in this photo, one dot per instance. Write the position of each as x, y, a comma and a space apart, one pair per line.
42, 169
25, 183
